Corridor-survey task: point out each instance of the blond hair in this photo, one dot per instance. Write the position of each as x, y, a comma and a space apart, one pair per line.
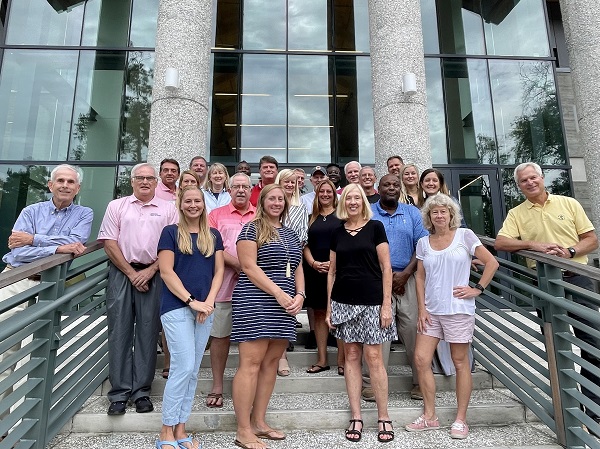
265, 232
441, 200
206, 240
342, 212
216, 166
284, 174
404, 194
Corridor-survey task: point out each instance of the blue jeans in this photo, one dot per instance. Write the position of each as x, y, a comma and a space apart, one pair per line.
187, 340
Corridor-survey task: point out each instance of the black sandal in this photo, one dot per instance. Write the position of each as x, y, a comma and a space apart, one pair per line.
354, 432
385, 432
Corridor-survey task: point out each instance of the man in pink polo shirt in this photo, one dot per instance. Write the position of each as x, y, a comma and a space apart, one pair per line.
167, 186
228, 220
130, 230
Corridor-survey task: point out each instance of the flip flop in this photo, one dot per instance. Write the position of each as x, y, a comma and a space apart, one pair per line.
165, 373
160, 444
245, 445
317, 369
268, 435
187, 440
214, 400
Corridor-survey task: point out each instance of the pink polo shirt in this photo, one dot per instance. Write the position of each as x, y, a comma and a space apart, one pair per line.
163, 192
137, 226
229, 221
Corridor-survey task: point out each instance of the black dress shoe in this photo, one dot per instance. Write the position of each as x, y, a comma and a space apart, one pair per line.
117, 408
143, 405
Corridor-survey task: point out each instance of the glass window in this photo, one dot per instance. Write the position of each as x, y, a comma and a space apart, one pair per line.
135, 128
144, 18
36, 22
430, 27
227, 24
354, 109
515, 28
307, 25
435, 111
526, 112
264, 25
461, 30
3, 4
225, 103
469, 112
21, 186
351, 25
36, 94
263, 121
98, 103
310, 109
106, 23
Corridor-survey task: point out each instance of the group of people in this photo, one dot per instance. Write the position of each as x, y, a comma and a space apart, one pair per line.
212, 256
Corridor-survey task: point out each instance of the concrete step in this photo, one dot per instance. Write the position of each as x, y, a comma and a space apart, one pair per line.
520, 436
299, 381
301, 411
298, 357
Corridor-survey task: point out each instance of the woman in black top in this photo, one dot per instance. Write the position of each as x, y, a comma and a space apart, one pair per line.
323, 222
359, 308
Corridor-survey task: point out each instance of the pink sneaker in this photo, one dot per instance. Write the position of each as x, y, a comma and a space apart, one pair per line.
421, 424
459, 430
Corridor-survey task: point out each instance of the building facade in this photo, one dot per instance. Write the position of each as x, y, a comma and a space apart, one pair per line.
306, 81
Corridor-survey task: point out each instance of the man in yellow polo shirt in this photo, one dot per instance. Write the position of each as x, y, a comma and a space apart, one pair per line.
556, 225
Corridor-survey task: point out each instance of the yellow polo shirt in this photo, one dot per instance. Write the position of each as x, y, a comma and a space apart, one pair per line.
560, 220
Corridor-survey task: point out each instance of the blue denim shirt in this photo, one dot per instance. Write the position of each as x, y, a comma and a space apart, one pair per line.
51, 228
403, 228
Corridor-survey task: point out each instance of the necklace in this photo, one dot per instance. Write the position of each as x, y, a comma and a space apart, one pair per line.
327, 215
288, 267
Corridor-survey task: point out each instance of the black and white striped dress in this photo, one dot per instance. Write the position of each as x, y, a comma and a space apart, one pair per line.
256, 314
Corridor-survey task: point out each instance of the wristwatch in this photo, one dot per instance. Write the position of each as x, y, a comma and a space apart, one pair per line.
480, 287
190, 299
572, 251
301, 293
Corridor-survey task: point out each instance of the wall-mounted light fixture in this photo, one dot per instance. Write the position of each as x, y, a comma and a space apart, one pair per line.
172, 78
409, 84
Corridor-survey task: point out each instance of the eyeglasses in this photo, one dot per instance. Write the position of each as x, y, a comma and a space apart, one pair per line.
144, 178
240, 187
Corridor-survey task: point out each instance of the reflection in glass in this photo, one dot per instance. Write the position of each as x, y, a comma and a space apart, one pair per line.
225, 102
264, 25
143, 23
98, 101
430, 27
516, 29
21, 186
307, 25
263, 120
435, 111
310, 109
351, 25
135, 128
106, 23
461, 30
475, 195
469, 111
227, 24
36, 94
364, 95
36, 22
527, 116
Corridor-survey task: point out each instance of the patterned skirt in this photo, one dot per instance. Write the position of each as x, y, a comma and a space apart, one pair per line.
360, 324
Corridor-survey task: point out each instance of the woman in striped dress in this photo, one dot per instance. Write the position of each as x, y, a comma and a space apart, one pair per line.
266, 299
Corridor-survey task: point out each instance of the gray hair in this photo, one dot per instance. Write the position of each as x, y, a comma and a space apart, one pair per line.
68, 167
352, 162
143, 164
523, 166
366, 167
244, 175
441, 200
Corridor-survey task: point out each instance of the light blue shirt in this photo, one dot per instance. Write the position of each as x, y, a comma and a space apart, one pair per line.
211, 203
403, 228
51, 228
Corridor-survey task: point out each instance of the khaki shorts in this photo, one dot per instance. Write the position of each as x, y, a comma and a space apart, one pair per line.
221, 327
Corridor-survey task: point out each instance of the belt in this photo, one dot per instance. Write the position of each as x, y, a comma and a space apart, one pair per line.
34, 277
139, 266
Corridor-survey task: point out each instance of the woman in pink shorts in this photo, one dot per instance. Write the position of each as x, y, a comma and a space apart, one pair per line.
446, 304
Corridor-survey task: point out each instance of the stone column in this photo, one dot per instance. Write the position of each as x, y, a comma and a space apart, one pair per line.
179, 118
401, 125
581, 21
